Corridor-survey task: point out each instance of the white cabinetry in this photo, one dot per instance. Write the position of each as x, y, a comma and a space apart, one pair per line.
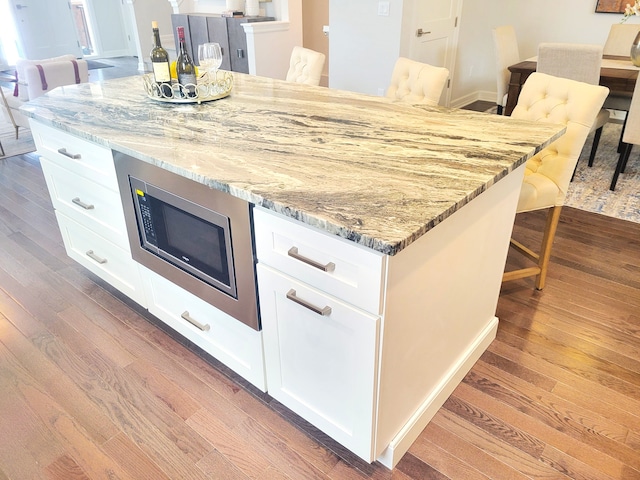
81, 179
320, 305
403, 329
225, 338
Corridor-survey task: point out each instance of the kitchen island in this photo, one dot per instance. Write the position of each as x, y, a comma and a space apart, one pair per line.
412, 206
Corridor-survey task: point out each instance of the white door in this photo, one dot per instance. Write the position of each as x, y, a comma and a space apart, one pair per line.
434, 38
45, 28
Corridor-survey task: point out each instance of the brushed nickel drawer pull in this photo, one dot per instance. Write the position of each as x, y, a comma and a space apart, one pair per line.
194, 322
325, 311
95, 257
329, 267
80, 203
74, 156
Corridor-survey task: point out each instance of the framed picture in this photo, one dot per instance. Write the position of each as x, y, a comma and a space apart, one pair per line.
611, 6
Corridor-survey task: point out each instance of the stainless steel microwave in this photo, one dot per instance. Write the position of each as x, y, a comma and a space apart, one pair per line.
197, 237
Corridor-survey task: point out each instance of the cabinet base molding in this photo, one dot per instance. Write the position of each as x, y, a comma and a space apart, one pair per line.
409, 433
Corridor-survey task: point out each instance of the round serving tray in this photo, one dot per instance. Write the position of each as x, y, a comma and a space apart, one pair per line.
208, 88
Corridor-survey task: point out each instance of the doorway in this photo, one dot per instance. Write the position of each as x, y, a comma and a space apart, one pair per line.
83, 26
315, 15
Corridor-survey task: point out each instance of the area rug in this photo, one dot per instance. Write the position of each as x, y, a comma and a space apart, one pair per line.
590, 187
13, 146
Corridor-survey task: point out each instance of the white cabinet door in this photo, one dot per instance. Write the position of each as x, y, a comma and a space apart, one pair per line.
323, 367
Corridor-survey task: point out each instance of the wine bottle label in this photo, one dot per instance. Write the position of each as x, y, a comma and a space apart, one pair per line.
161, 71
184, 79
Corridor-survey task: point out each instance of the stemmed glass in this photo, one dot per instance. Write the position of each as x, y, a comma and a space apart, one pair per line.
210, 58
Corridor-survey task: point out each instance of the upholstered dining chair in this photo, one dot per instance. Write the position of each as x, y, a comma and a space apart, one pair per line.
630, 136
305, 66
618, 44
507, 53
578, 62
37, 77
417, 82
545, 98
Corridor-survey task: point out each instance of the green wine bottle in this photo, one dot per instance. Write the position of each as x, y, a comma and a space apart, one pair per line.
160, 63
185, 68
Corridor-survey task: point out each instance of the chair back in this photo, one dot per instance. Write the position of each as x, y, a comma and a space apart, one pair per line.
416, 82
507, 53
305, 66
571, 60
545, 98
621, 36
22, 64
43, 77
632, 128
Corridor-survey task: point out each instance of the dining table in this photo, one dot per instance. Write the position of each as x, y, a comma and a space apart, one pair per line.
617, 73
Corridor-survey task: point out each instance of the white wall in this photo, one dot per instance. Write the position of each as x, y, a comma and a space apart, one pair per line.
363, 47
539, 21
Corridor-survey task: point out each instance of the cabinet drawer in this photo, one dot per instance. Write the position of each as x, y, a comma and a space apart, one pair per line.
354, 273
81, 156
230, 341
321, 366
88, 203
111, 263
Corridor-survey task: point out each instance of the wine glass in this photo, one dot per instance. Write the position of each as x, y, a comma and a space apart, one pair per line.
210, 57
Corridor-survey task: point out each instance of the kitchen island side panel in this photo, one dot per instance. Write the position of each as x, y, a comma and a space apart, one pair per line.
441, 299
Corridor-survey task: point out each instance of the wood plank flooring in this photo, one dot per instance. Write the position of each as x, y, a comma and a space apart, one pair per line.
92, 388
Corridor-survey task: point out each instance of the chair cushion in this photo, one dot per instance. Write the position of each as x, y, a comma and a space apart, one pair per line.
545, 98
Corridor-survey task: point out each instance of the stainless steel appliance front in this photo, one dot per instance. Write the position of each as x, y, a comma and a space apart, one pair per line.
236, 293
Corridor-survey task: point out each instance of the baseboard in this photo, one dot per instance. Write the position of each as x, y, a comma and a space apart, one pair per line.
473, 97
405, 438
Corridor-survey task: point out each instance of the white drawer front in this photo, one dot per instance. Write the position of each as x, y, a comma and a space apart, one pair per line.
355, 274
322, 367
109, 262
82, 156
232, 342
88, 203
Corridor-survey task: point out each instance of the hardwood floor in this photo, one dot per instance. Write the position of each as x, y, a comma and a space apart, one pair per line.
91, 387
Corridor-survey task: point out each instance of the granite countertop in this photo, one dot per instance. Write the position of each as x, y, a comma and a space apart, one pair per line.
374, 171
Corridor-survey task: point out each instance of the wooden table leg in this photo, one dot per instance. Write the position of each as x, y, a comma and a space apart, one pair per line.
515, 85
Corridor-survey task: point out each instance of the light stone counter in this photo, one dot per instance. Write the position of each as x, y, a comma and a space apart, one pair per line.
365, 168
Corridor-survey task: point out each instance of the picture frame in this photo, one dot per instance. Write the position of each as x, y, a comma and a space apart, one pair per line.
611, 6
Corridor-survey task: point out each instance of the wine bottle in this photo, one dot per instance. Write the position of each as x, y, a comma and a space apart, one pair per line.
185, 68
160, 63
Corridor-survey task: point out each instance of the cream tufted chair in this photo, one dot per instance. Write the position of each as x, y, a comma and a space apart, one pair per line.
545, 98
505, 44
305, 66
578, 62
37, 77
415, 82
